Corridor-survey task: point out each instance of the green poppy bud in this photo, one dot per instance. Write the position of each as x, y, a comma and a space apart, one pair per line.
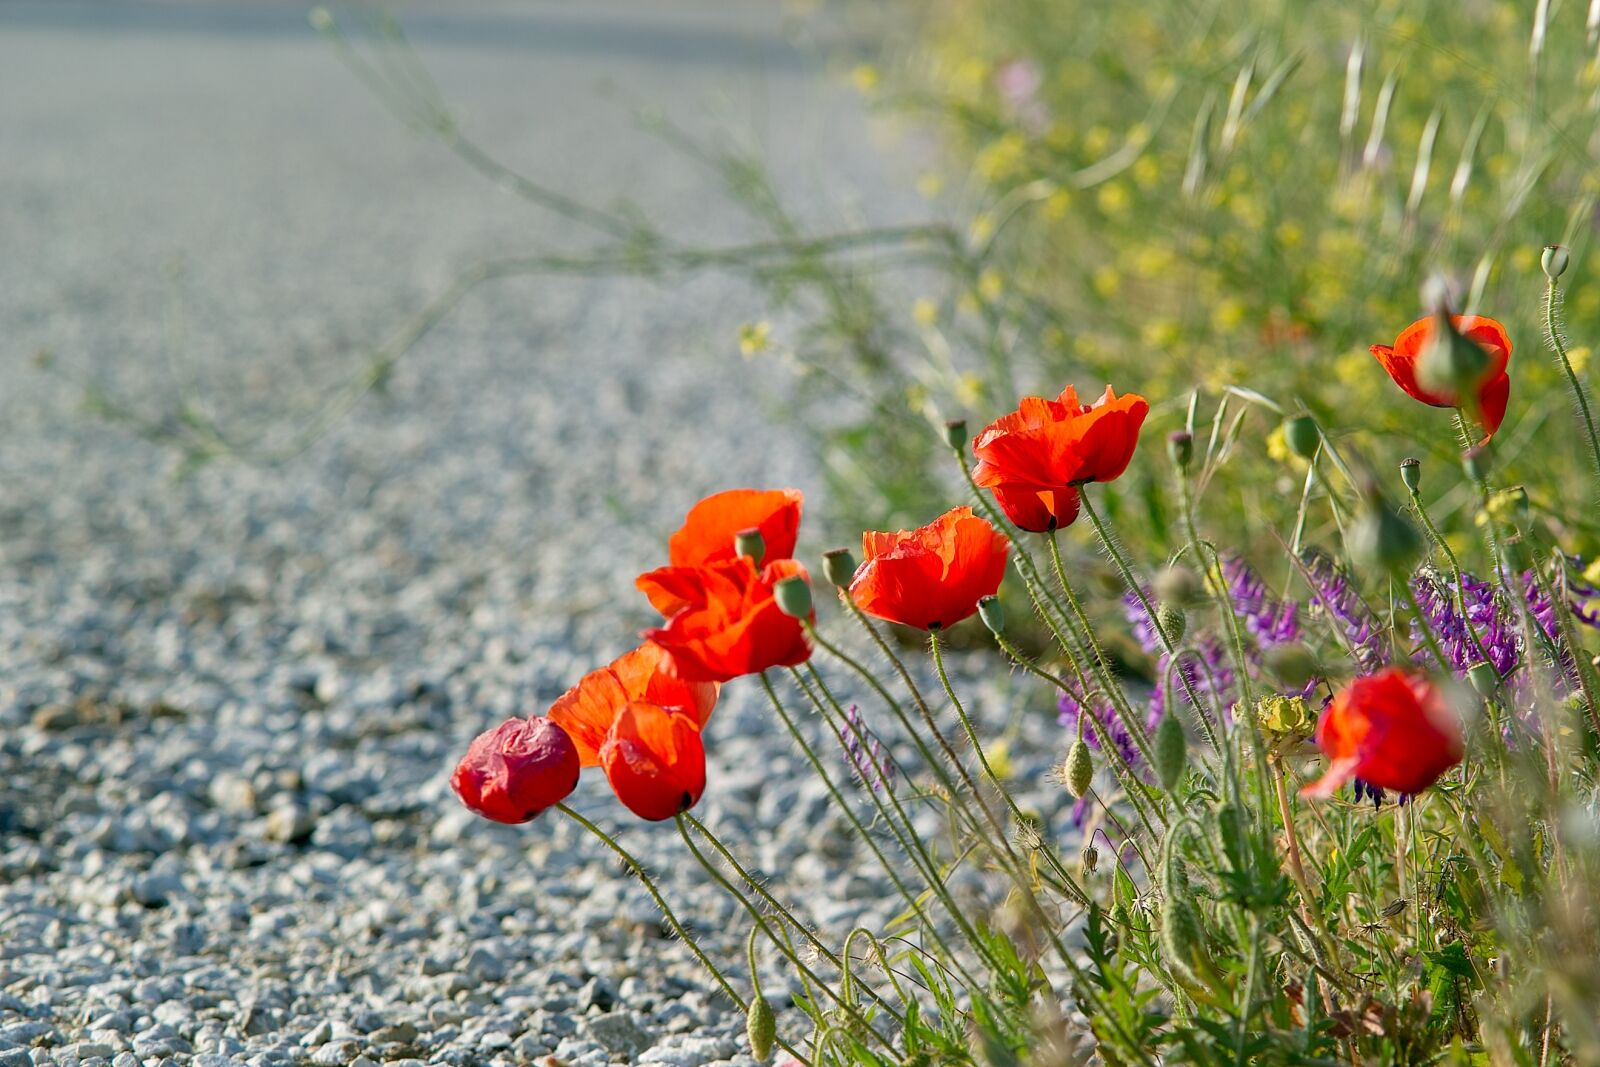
1484, 679
839, 567
1183, 938
955, 434
1170, 751
1411, 473
1078, 772
1382, 540
750, 543
1554, 261
1178, 586
1173, 622
1180, 449
992, 614
793, 595
1451, 363
1302, 435
761, 1026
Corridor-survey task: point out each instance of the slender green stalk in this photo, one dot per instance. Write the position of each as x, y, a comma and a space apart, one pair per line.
1579, 396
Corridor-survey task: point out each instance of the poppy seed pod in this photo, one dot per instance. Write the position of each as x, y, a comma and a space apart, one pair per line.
1180, 449
1170, 751
1484, 679
761, 1027
1411, 473
992, 614
1382, 540
1302, 435
1078, 772
793, 595
1554, 261
955, 434
750, 543
839, 567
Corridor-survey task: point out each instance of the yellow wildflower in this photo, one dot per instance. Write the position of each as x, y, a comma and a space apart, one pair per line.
754, 338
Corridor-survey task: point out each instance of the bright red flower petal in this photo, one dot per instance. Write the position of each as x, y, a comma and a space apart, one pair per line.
728, 623
933, 575
655, 761
709, 529
1400, 362
1392, 729
588, 710
516, 770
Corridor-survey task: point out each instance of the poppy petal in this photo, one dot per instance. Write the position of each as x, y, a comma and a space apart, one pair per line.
655, 761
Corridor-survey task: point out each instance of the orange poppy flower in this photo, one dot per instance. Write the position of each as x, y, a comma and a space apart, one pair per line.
516, 770
707, 533
1402, 358
1034, 459
654, 760
727, 622
933, 575
1392, 730
589, 709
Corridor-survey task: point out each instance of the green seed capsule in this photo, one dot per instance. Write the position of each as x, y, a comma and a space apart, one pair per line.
955, 434
1554, 261
1079, 774
761, 1027
750, 543
992, 614
793, 595
839, 567
1302, 436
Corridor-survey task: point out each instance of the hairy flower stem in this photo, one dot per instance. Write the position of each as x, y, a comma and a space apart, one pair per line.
782, 946
672, 919
1579, 397
1074, 889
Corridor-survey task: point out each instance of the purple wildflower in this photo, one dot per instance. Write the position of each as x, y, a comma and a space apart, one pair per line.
1071, 709
1336, 598
865, 754
1486, 633
1269, 620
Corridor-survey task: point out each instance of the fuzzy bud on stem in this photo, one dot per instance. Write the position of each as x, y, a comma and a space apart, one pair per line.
1171, 751
1078, 772
955, 434
1554, 261
992, 614
750, 543
1302, 435
793, 595
1411, 473
839, 567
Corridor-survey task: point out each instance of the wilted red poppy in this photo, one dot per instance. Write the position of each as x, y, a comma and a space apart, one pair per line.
588, 710
516, 770
1035, 458
727, 622
707, 533
933, 575
1392, 730
1401, 362
654, 760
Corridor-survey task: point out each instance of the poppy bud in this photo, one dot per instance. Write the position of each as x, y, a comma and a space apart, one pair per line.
1554, 261
1485, 680
1183, 938
839, 567
761, 1027
1173, 622
1178, 586
1078, 772
1171, 751
750, 543
992, 614
1411, 473
955, 434
793, 595
1180, 449
1293, 665
1302, 435
1382, 540
1477, 461
1451, 364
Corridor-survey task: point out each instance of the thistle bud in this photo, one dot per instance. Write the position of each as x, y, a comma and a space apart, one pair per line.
1302, 435
1554, 261
955, 434
793, 595
1411, 473
1382, 540
1180, 449
1484, 679
750, 543
839, 567
1170, 751
1477, 461
992, 614
1178, 586
1078, 772
1173, 622
761, 1027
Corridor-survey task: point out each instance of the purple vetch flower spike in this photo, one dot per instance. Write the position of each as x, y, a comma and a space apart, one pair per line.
1070, 710
1270, 620
865, 755
1336, 598
1486, 616
1144, 630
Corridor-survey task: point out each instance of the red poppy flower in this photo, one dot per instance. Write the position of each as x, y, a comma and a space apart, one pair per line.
1401, 363
707, 533
654, 760
933, 575
1035, 458
589, 709
727, 622
1392, 730
518, 769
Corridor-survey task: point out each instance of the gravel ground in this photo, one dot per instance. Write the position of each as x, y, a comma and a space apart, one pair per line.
229, 701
